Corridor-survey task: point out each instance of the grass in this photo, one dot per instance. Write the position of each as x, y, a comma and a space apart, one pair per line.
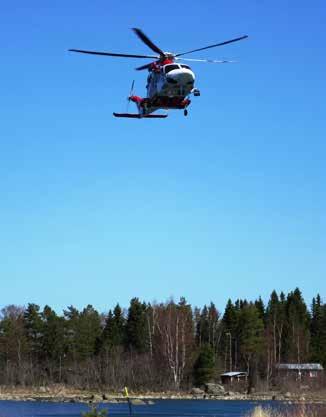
298, 411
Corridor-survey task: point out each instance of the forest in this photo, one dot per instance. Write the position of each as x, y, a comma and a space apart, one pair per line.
159, 346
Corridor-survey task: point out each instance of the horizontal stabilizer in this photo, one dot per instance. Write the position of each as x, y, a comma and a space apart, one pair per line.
140, 116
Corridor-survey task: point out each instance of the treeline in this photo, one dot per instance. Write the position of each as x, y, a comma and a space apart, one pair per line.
158, 346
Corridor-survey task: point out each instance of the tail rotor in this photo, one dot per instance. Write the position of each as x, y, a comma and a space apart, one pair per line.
131, 93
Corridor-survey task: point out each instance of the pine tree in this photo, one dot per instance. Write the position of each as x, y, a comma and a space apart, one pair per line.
34, 331
71, 317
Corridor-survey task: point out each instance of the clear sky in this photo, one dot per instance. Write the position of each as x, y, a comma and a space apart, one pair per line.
229, 202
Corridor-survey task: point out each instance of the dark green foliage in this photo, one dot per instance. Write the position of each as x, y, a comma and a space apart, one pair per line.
136, 327
229, 329
259, 304
53, 341
251, 328
230, 317
88, 331
83, 330
34, 330
71, 316
204, 367
296, 330
114, 331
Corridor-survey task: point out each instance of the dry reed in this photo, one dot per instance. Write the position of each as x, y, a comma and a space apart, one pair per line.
298, 411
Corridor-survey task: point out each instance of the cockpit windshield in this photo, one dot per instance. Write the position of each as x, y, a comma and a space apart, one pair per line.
170, 67
185, 66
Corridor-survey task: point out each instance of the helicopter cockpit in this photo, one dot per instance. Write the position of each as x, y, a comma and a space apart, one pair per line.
170, 67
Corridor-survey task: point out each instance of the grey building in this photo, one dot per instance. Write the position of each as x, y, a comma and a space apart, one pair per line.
300, 371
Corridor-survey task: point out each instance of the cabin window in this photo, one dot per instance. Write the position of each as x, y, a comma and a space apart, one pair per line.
171, 67
185, 66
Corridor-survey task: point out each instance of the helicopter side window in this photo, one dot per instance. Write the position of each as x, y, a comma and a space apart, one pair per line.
169, 68
185, 66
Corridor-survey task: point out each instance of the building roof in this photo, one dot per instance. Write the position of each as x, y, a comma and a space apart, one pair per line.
234, 373
300, 366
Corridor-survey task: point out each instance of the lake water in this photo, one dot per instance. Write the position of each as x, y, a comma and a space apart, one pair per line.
161, 408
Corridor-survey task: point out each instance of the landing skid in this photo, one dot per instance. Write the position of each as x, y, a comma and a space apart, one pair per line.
140, 116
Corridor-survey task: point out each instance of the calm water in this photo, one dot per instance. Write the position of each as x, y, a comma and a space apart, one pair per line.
161, 408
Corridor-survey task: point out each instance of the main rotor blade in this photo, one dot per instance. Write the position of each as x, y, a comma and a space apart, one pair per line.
213, 46
113, 54
211, 61
147, 41
132, 87
146, 66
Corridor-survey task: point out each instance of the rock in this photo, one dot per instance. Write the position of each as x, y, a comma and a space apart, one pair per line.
150, 402
287, 395
96, 398
197, 391
214, 389
137, 401
43, 390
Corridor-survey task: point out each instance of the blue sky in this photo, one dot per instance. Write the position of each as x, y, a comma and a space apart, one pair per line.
229, 202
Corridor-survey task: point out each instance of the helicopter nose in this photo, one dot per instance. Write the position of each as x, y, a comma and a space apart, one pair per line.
182, 76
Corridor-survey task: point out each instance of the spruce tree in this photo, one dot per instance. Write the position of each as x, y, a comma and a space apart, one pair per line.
204, 367
136, 327
251, 328
114, 331
318, 331
53, 343
296, 332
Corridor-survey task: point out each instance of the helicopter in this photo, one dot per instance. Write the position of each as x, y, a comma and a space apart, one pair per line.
170, 82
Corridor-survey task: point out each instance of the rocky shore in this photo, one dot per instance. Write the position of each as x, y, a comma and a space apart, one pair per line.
213, 392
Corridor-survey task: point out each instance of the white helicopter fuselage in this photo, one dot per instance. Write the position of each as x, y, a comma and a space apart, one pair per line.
171, 80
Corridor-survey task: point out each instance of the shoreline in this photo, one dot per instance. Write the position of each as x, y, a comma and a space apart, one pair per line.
44, 394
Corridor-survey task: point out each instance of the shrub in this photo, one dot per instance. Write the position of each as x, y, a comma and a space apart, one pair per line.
95, 412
